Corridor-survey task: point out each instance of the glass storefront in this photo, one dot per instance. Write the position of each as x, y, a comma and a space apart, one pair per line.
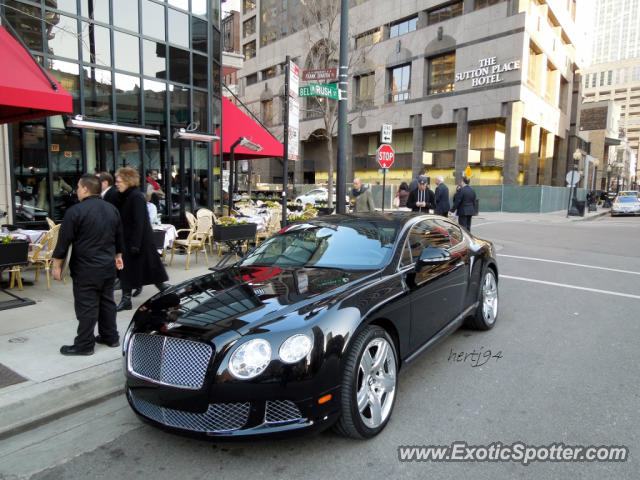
156, 64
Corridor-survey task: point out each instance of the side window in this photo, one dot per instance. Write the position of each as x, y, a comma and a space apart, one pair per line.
455, 234
434, 233
405, 259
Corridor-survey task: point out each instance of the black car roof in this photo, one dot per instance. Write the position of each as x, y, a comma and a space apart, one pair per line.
396, 218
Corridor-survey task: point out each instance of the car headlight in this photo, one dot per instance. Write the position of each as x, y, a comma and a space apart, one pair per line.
295, 348
250, 359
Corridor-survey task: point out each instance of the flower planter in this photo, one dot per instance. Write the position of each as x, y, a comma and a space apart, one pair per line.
231, 233
15, 252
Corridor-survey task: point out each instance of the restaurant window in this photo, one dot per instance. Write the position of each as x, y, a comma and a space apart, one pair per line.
403, 26
200, 111
199, 35
95, 10
129, 151
486, 3
199, 70
369, 38
126, 52
127, 94
248, 5
179, 65
365, 87
249, 27
30, 171
178, 28
180, 113
125, 14
441, 73
155, 106
443, 13
99, 151
153, 20
22, 18
97, 93
201, 174
400, 83
96, 44
154, 59
66, 168
249, 50
62, 40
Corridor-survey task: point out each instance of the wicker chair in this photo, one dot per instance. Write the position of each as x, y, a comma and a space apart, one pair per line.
205, 212
270, 228
51, 223
41, 253
196, 240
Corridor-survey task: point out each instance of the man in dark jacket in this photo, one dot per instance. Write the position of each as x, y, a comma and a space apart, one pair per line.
361, 197
109, 191
441, 197
94, 229
422, 199
464, 203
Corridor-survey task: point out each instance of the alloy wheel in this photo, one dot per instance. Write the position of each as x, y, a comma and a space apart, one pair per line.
376, 387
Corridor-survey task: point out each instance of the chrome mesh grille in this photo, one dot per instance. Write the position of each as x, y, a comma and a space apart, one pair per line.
219, 417
280, 411
168, 360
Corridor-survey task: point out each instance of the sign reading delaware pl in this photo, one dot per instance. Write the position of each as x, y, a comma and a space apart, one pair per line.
488, 72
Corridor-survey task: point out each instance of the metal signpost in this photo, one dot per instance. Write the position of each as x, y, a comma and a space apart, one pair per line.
385, 156
573, 177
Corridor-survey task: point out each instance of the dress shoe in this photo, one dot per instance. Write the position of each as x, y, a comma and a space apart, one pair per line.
163, 286
73, 350
125, 303
108, 344
137, 292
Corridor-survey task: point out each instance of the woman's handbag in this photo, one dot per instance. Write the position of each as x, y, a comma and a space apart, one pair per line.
396, 202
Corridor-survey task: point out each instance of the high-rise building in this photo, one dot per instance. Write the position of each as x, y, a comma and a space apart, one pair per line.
614, 74
482, 82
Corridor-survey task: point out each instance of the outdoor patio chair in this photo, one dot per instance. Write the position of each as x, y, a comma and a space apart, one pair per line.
271, 227
41, 254
51, 223
195, 241
205, 212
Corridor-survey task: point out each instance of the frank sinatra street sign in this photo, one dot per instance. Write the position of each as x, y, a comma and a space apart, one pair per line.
322, 74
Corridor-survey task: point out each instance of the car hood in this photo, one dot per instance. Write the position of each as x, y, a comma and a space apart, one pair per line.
242, 299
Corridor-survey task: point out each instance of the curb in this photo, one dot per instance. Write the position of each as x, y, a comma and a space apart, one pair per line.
39, 403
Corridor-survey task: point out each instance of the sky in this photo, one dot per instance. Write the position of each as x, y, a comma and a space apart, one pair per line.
231, 5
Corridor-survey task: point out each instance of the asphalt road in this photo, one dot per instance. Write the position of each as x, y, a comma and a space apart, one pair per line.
568, 335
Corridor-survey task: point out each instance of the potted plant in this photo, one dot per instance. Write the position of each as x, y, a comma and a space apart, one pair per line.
13, 251
226, 231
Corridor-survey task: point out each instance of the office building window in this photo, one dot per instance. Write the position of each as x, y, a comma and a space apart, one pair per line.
440, 14
441, 73
609, 77
268, 73
248, 5
251, 79
249, 27
594, 77
403, 26
249, 50
486, 3
369, 38
400, 83
602, 79
365, 87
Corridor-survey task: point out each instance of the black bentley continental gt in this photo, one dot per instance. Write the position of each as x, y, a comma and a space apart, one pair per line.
310, 329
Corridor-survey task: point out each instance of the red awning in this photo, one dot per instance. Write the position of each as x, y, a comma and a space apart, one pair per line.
25, 91
237, 124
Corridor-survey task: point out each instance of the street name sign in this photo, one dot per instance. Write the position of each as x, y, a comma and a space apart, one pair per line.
321, 74
385, 156
315, 90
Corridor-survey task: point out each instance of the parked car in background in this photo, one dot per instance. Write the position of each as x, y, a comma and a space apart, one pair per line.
625, 205
629, 193
310, 329
317, 195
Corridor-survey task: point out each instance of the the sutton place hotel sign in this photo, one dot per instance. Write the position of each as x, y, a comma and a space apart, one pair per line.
488, 72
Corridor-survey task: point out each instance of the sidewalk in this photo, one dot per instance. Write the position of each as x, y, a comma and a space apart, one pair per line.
38, 384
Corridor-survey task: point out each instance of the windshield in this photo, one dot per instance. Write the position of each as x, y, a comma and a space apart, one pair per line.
627, 199
351, 245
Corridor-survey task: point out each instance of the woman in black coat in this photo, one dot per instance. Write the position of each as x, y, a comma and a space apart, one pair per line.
142, 264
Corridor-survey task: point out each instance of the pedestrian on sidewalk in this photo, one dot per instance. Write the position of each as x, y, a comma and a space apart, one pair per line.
441, 197
142, 264
421, 200
93, 228
464, 203
414, 183
109, 191
361, 197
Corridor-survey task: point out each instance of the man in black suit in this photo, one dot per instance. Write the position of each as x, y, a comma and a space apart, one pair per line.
464, 203
109, 192
441, 197
95, 230
421, 200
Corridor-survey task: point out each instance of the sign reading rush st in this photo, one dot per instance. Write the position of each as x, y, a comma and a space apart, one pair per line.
385, 156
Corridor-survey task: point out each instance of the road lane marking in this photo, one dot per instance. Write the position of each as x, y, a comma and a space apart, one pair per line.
575, 287
569, 263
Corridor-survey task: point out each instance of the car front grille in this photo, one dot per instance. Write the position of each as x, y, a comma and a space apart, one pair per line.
168, 360
281, 411
219, 417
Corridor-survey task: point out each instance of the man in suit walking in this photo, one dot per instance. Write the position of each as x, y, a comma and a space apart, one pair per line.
442, 197
109, 191
464, 203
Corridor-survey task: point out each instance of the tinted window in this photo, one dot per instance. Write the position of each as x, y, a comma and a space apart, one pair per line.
351, 245
431, 233
125, 14
62, 40
199, 35
153, 19
96, 44
153, 59
126, 52
178, 28
96, 10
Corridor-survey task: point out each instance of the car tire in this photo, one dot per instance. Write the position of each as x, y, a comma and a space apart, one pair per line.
486, 314
369, 384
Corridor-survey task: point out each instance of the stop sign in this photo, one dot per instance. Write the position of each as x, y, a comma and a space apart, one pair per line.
385, 156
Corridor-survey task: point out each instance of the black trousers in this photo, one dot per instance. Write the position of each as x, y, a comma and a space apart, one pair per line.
465, 221
93, 302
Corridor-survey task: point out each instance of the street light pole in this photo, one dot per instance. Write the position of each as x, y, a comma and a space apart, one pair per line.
341, 167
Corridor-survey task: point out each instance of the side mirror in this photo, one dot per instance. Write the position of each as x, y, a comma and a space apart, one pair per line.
432, 256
